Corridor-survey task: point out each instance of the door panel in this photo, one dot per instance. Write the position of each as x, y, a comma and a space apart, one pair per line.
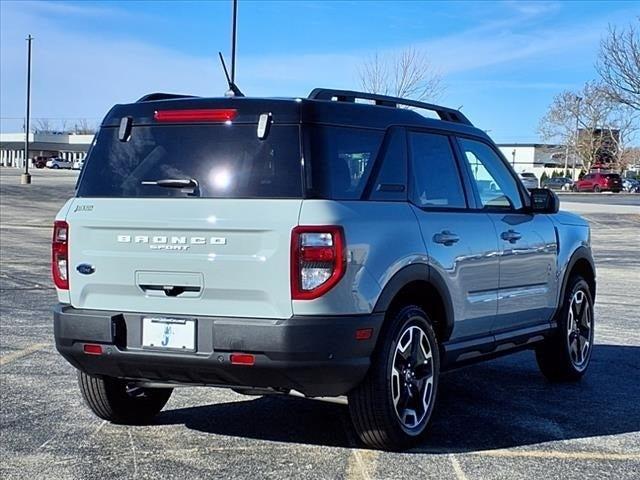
468, 263
461, 244
527, 242
527, 270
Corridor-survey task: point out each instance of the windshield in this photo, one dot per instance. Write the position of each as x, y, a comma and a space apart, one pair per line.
224, 161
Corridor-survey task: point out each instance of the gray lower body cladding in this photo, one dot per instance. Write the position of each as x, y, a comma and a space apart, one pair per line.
318, 356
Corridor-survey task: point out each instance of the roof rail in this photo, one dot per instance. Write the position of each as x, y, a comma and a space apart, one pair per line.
445, 113
162, 96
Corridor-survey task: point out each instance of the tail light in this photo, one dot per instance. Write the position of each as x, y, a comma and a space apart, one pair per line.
60, 255
317, 260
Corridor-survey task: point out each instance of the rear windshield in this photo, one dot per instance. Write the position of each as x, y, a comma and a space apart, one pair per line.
225, 161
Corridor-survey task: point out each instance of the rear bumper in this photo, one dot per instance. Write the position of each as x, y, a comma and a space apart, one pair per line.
318, 356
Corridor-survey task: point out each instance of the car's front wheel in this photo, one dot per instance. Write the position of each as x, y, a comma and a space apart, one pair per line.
597, 189
119, 401
392, 407
565, 356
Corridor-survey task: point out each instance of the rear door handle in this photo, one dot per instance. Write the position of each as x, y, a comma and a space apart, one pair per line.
510, 236
446, 238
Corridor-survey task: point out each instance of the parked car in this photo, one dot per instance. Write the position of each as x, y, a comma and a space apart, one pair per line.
77, 164
39, 161
631, 185
599, 182
529, 180
58, 162
248, 269
558, 183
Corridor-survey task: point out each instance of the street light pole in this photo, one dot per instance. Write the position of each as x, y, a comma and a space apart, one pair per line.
234, 21
25, 178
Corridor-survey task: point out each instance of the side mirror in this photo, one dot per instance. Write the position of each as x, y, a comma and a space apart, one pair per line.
544, 200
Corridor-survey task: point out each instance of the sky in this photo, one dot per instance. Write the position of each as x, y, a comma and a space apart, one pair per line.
502, 62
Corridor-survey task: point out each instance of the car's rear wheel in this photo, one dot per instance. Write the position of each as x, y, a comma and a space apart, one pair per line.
55, 166
392, 407
119, 401
597, 189
565, 356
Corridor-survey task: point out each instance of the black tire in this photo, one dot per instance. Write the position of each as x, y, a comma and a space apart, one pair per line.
115, 400
597, 189
371, 404
556, 358
574, 188
54, 166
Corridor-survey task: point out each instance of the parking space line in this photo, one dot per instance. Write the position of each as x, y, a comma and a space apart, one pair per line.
356, 464
360, 462
555, 454
10, 357
133, 452
460, 475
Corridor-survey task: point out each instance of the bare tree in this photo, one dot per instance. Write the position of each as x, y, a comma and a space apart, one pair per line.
43, 125
82, 127
619, 65
630, 157
407, 74
590, 123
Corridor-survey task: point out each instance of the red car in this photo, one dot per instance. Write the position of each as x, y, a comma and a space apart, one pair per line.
599, 182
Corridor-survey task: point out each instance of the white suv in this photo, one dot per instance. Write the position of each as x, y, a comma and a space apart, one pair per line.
320, 246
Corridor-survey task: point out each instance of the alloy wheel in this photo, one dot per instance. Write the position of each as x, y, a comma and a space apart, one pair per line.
412, 377
579, 329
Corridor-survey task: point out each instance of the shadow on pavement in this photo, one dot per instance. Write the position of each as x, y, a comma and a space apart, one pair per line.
500, 404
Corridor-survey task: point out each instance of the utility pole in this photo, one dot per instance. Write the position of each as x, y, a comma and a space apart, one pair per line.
513, 156
234, 19
25, 178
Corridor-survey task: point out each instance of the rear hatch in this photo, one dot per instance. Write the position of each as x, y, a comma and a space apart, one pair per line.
189, 214
614, 180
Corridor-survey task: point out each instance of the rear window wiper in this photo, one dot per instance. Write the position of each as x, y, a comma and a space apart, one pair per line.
189, 185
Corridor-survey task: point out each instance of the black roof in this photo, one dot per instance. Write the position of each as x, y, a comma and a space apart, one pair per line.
335, 107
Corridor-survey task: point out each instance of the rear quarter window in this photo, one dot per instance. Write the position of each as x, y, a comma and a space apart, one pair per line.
341, 159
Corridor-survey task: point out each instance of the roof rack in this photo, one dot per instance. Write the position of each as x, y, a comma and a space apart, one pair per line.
445, 113
162, 96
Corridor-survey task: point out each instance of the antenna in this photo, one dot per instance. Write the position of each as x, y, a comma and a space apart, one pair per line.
233, 91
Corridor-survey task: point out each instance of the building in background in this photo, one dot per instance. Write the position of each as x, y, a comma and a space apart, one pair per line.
538, 158
69, 146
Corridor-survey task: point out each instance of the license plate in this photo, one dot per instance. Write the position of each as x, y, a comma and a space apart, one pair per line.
169, 334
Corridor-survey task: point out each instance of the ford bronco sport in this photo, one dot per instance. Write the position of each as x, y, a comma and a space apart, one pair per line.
341, 244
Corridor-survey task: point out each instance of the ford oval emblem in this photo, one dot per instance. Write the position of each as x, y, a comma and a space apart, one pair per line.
86, 269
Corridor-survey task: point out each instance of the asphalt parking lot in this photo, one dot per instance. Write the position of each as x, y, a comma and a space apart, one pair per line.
499, 419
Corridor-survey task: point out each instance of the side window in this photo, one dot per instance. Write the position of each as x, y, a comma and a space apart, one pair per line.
391, 181
341, 160
436, 180
496, 186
